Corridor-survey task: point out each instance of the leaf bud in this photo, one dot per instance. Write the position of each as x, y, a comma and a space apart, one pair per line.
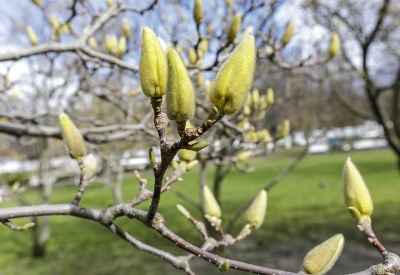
153, 69
125, 27
211, 207
234, 28
186, 155
32, 36
233, 82
287, 36
28, 226
72, 137
180, 100
152, 156
198, 12
334, 45
256, 212
356, 195
321, 258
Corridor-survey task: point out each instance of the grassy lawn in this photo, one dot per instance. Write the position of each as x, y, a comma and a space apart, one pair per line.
304, 209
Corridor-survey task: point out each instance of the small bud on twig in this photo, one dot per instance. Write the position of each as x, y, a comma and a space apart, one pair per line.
72, 137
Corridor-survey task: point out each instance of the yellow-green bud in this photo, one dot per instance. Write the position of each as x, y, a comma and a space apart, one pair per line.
153, 69
228, 2
93, 43
270, 98
186, 155
244, 156
204, 45
356, 195
125, 28
72, 137
192, 165
109, 3
198, 12
287, 36
246, 110
255, 95
235, 78
198, 146
200, 79
256, 212
183, 211
32, 36
192, 56
28, 226
180, 99
285, 128
152, 156
334, 45
234, 28
321, 258
111, 43
211, 207
121, 49
91, 166
224, 266
37, 3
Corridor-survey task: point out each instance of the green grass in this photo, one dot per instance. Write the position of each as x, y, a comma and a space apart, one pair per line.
299, 211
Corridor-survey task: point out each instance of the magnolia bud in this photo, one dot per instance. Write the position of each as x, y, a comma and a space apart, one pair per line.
183, 211
109, 3
204, 45
288, 33
255, 95
121, 49
285, 128
200, 79
228, 2
37, 3
111, 43
198, 146
235, 78
152, 156
270, 98
210, 205
192, 165
72, 137
28, 226
186, 155
198, 12
93, 43
244, 156
356, 195
334, 46
321, 258
32, 36
234, 28
91, 166
153, 69
125, 28
192, 56
256, 212
180, 99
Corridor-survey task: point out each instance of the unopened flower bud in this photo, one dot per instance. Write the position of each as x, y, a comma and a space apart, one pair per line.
198, 12
210, 204
233, 82
192, 165
28, 226
72, 137
255, 95
32, 36
111, 43
93, 43
153, 68
321, 258
244, 156
256, 211
198, 146
180, 100
91, 166
192, 56
204, 45
121, 49
125, 28
37, 3
186, 155
200, 79
356, 195
334, 45
109, 3
287, 36
183, 211
285, 128
270, 98
234, 28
